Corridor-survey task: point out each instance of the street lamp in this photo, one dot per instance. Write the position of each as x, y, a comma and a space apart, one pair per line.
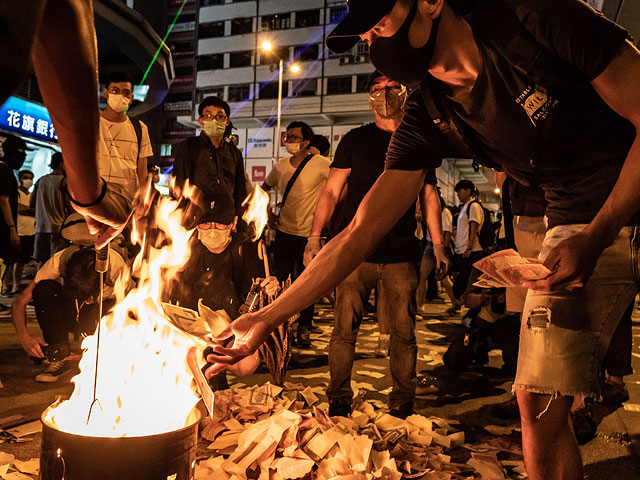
267, 47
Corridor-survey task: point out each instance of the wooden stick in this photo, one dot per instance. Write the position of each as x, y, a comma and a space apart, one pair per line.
262, 253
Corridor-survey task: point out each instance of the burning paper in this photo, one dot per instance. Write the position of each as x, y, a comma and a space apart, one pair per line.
144, 385
257, 211
507, 268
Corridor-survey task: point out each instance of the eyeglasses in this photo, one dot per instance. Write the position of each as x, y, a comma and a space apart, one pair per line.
396, 90
220, 117
125, 93
214, 225
289, 138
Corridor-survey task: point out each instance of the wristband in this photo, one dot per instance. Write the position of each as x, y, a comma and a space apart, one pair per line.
103, 192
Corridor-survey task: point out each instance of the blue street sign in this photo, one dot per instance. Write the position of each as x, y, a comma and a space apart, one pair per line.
28, 119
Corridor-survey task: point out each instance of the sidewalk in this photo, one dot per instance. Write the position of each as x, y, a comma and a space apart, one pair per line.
466, 397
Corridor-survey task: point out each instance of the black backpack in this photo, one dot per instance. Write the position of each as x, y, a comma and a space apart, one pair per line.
487, 233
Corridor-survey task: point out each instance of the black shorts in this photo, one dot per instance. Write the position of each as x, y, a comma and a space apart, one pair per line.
26, 248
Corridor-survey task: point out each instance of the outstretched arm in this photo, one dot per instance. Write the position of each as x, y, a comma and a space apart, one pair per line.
386, 202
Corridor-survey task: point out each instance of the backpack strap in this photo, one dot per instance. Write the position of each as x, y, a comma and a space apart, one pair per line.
294, 177
138, 129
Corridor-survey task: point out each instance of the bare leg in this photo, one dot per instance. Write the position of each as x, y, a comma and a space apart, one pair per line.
550, 448
448, 288
65, 61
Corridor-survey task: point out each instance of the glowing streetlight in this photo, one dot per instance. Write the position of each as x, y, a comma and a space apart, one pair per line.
267, 47
497, 190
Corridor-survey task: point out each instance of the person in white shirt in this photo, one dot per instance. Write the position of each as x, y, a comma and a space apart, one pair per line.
468, 249
297, 208
26, 227
124, 147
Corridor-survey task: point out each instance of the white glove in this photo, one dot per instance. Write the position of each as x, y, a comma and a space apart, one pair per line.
314, 245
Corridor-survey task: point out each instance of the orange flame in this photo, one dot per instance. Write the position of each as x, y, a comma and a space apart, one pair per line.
144, 384
257, 211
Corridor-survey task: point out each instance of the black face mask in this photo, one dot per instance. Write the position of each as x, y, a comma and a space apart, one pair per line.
397, 59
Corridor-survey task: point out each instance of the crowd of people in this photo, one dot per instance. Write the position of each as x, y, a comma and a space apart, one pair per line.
542, 91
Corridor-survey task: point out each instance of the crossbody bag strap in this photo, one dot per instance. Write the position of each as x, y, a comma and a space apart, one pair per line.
293, 178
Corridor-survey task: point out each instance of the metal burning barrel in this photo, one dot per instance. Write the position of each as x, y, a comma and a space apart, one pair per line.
165, 456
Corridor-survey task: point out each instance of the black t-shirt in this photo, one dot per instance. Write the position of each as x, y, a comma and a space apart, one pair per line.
8, 188
363, 150
554, 132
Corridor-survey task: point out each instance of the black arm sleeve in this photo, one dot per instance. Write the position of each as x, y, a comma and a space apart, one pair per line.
409, 148
343, 156
182, 163
240, 188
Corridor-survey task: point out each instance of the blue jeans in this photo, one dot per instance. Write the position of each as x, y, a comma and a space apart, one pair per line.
564, 335
397, 284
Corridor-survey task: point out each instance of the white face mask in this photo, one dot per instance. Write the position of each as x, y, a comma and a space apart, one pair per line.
293, 148
27, 182
214, 239
118, 102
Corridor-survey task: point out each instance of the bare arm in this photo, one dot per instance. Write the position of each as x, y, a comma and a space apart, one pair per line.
388, 199
143, 173
31, 345
430, 206
574, 259
8, 219
473, 235
329, 199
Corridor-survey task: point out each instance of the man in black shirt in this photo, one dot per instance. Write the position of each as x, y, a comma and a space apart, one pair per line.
14, 149
393, 267
547, 90
213, 164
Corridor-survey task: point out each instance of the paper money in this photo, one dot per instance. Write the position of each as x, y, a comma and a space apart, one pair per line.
507, 268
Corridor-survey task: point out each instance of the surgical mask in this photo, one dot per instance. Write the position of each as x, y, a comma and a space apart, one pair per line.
214, 239
118, 102
397, 59
388, 103
27, 182
293, 148
214, 128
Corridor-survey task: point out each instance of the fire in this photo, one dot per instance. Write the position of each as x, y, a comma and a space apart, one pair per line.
144, 385
257, 211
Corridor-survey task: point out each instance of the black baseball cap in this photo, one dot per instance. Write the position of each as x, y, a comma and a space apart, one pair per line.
363, 16
13, 143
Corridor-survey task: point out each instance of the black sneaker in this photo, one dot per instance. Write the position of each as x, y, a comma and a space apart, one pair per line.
339, 408
403, 411
508, 410
583, 425
52, 372
614, 393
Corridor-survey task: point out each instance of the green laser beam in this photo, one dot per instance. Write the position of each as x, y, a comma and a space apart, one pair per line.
162, 44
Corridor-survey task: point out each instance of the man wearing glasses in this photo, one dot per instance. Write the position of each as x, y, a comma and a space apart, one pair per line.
124, 147
213, 164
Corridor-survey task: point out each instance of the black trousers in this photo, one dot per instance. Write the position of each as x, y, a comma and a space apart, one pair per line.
288, 252
56, 312
461, 269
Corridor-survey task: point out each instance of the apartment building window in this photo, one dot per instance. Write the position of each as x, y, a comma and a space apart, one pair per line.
181, 48
211, 30
338, 85
240, 59
306, 87
270, 90
361, 83
239, 93
307, 18
241, 25
279, 21
306, 53
202, 93
206, 3
362, 48
210, 62
337, 13
268, 58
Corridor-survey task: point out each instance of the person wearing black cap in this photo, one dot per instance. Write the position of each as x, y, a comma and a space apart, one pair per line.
547, 91
14, 154
393, 267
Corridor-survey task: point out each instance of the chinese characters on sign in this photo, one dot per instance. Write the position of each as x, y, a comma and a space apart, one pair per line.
28, 119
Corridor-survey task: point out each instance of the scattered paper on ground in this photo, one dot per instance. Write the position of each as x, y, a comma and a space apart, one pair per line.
30, 466
266, 433
369, 373
26, 429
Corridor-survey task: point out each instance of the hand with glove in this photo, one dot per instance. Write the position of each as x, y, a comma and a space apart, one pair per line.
314, 245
